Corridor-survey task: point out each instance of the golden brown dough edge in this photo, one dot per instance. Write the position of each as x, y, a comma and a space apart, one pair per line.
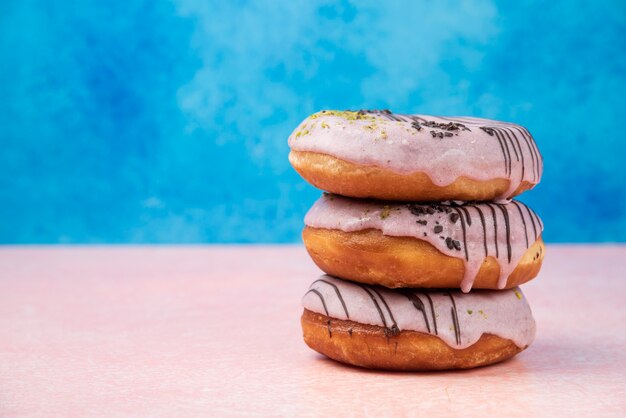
370, 257
349, 179
370, 346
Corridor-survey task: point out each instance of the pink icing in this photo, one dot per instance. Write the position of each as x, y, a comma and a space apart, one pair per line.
444, 148
469, 231
459, 319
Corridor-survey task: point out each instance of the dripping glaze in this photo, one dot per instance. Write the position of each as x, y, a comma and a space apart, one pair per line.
445, 148
459, 319
470, 231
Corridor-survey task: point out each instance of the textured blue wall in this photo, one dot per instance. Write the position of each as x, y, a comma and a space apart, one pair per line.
158, 121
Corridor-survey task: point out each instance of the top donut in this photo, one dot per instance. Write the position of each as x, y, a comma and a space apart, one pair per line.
383, 155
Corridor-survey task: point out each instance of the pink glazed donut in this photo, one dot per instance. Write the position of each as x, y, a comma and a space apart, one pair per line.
414, 329
382, 155
429, 245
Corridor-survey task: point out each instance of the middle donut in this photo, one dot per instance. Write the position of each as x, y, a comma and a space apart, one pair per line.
432, 245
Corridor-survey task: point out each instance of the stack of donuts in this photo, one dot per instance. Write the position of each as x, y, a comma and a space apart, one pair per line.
421, 240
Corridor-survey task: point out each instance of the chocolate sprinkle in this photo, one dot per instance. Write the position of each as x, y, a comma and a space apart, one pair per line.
438, 229
449, 243
430, 209
490, 131
416, 210
416, 125
450, 126
421, 222
454, 217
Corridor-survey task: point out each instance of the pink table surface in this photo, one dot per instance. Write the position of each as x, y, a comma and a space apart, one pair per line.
214, 331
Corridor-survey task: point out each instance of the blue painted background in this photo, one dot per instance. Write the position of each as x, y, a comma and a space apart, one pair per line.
167, 121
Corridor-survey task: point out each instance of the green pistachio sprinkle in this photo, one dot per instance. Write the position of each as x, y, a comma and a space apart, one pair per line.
345, 114
384, 214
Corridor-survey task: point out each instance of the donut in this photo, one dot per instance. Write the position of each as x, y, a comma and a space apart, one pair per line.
411, 329
382, 155
430, 245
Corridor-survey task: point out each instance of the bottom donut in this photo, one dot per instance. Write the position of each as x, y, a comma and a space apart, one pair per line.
413, 330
